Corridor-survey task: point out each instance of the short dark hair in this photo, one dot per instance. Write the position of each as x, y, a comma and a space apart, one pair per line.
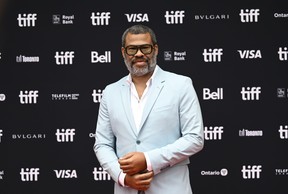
139, 29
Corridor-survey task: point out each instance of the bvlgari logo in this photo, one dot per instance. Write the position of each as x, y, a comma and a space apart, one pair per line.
211, 17
28, 136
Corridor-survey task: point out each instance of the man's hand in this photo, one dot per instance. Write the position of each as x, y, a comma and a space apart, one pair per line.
133, 162
140, 181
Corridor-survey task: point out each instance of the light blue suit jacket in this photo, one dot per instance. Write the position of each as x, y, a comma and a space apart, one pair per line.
170, 132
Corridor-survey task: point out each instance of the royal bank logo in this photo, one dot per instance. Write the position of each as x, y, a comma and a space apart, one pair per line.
58, 97
100, 174
63, 19
174, 55
27, 59
137, 17
174, 17
97, 95
282, 92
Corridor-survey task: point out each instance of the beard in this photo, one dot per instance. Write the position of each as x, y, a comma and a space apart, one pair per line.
136, 71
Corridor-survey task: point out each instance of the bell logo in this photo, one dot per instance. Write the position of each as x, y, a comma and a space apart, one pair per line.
97, 58
208, 95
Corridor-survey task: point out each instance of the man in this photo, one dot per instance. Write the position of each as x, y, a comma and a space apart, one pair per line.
149, 123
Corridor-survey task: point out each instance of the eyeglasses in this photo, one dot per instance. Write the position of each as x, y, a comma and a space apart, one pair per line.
133, 49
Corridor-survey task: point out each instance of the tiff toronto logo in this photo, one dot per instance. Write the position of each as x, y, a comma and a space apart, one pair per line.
249, 15
29, 174
28, 97
27, 20
100, 18
174, 17
251, 172
65, 135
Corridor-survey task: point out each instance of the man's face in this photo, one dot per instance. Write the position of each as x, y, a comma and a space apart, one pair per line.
139, 53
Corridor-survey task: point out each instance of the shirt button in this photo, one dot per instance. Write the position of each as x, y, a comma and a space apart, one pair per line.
138, 141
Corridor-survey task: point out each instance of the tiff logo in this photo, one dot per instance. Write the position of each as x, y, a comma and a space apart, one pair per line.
174, 17
251, 93
283, 54
249, 15
28, 97
27, 20
101, 175
251, 172
1, 134
283, 132
212, 55
65, 135
100, 18
29, 174
213, 133
64, 58
97, 58
97, 95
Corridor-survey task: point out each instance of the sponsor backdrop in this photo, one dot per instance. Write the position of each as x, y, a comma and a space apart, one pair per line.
56, 57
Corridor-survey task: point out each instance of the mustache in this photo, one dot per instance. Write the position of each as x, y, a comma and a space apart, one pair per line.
142, 59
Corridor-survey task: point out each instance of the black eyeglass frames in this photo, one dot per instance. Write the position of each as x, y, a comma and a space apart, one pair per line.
144, 48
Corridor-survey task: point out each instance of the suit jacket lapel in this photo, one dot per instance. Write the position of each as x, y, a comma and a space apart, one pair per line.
157, 85
125, 97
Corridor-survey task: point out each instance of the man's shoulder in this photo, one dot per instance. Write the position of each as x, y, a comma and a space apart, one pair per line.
117, 83
174, 75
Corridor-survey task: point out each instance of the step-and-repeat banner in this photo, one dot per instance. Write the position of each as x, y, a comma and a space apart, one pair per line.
56, 57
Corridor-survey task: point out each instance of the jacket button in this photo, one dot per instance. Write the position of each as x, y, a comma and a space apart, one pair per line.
138, 141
